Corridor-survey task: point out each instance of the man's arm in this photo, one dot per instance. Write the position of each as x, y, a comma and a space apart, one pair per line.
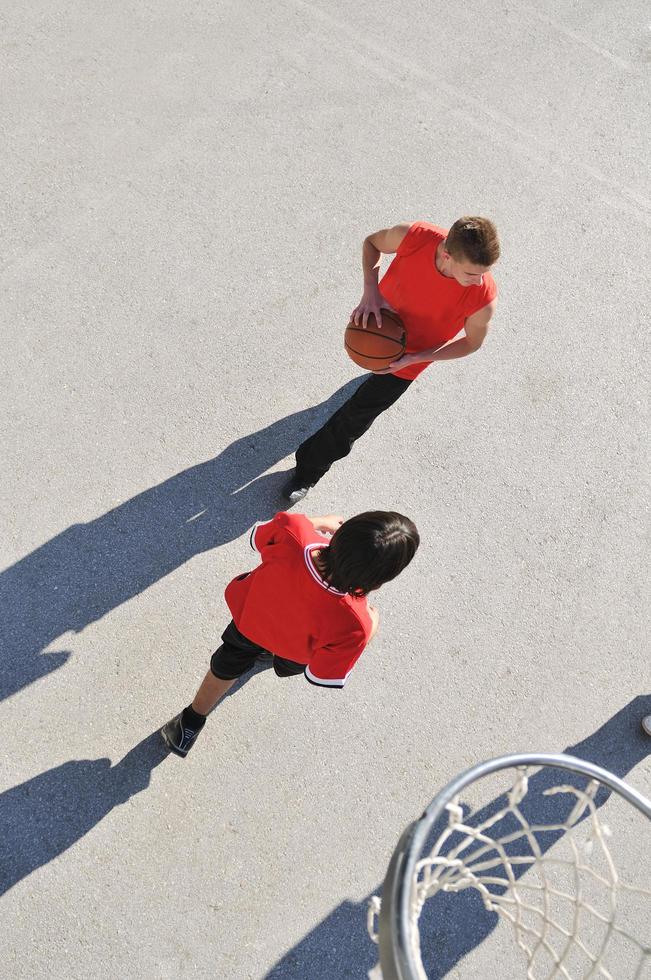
383, 242
476, 328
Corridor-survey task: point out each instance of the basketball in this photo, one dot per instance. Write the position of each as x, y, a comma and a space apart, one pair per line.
376, 348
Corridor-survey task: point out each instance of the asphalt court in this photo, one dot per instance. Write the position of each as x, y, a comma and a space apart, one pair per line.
186, 189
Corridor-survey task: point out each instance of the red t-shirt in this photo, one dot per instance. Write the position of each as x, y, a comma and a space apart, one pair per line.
285, 606
432, 306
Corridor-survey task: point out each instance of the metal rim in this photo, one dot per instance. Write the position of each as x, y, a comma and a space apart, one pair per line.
396, 956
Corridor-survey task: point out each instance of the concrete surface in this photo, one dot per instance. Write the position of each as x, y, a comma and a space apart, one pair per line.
186, 187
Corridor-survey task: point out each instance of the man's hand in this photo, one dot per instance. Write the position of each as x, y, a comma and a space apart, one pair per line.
372, 301
328, 524
405, 361
384, 242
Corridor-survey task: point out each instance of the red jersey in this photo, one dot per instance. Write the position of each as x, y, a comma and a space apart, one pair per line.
286, 607
432, 306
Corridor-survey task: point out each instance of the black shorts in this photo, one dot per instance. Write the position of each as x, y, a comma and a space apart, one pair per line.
237, 655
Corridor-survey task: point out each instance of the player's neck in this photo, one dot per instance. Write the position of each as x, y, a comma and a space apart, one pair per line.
319, 564
440, 261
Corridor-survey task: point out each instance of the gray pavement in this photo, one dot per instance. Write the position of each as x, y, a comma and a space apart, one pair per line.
186, 190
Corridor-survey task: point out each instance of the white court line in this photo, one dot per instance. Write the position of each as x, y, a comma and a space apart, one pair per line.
579, 38
550, 153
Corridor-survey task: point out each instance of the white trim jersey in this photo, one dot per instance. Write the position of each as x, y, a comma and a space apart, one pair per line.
285, 606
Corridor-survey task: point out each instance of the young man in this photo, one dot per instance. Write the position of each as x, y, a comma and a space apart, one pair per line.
439, 283
305, 604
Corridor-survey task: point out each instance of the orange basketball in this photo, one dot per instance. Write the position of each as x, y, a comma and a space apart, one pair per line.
376, 347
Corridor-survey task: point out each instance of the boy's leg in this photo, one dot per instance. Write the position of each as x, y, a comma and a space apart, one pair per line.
335, 439
235, 657
211, 690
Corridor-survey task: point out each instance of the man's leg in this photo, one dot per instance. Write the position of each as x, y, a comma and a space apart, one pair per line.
335, 439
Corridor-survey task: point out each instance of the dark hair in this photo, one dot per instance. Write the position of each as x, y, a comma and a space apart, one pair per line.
369, 550
473, 239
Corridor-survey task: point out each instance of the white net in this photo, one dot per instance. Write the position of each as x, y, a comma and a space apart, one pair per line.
554, 882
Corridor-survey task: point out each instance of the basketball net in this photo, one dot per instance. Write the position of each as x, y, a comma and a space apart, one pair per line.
549, 898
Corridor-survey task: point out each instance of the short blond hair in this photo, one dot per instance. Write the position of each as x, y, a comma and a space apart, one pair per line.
474, 239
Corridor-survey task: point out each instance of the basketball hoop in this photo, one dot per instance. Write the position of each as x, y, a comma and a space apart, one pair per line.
553, 881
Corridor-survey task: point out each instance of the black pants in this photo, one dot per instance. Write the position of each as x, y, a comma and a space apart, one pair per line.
335, 439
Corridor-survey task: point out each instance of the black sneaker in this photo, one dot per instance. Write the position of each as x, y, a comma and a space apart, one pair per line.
296, 489
178, 737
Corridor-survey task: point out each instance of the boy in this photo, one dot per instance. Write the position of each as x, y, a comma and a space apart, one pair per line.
305, 604
439, 283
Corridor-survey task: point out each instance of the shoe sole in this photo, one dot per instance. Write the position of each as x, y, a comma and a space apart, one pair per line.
296, 496
293, 491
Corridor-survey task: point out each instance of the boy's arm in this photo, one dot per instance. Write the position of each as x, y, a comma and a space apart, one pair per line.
331, 665
327, 524
268, 532
375, 620
383, 242
475, 327
260, 534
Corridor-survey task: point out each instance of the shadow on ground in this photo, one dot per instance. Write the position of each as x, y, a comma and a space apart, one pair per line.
43, 817
339, 948
87, 570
